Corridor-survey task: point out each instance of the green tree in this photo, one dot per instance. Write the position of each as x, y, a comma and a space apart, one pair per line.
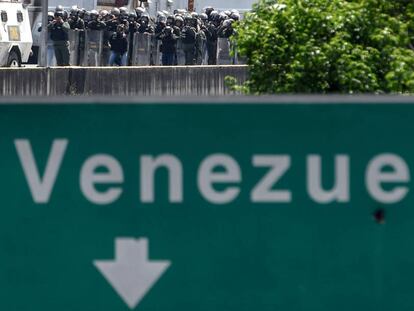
328, 46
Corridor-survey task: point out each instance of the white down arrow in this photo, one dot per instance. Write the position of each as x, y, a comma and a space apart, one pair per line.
131, 274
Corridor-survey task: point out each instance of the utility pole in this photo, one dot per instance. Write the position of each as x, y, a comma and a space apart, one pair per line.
44, 35
190, 5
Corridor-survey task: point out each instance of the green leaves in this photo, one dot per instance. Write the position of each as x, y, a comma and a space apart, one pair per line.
320, 46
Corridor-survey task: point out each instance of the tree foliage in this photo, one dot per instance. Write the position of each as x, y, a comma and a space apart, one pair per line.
328, 46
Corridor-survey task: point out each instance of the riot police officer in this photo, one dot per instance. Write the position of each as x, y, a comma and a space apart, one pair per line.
59, 34
201, 43
211, 36
171, 22
123, 19
226, 29
140, 11
188, 38
179, 22
160, 24
95, 23
113, 20
75, 22
144, 25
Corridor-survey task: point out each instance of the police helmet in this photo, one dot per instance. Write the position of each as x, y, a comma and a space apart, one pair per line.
74, 10
227, 22
170, 19
144, 18
50, 16
139, 11
179, 19
132, 16
161, 18
188, 20
87, 16
103, 13
214, 15
94, 14
65, 15
81, 13
222, 16
115, 12
235, 16
203, 17
208, 10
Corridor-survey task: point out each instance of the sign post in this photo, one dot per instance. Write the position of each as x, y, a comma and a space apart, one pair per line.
44, 36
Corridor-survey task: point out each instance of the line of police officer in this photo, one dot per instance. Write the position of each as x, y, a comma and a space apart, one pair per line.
186, 38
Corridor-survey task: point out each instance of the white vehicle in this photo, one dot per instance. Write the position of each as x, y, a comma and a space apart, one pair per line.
35, 14
15, 33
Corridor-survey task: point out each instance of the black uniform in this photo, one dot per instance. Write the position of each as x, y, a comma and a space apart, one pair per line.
76, 23
112, 24
145, 28
96, 25
225, 32
59, 35
211, 36
188, 38
159, 27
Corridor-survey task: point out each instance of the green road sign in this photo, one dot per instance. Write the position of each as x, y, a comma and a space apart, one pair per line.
185, 207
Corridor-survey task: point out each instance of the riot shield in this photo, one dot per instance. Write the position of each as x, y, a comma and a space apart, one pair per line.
180, 61
141, 51
130, 38
74, 36
223, 52
106, 50
81, 52
201, 48
93, 48
155, 52
238, 59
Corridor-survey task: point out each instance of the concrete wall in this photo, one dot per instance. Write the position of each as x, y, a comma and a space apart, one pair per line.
145, 81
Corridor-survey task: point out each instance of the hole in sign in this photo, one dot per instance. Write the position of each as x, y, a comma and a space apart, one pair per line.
379, 216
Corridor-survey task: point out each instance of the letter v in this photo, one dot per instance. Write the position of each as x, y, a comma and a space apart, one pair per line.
40, 188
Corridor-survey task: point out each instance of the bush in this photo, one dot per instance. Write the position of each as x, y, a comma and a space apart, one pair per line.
322, 46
